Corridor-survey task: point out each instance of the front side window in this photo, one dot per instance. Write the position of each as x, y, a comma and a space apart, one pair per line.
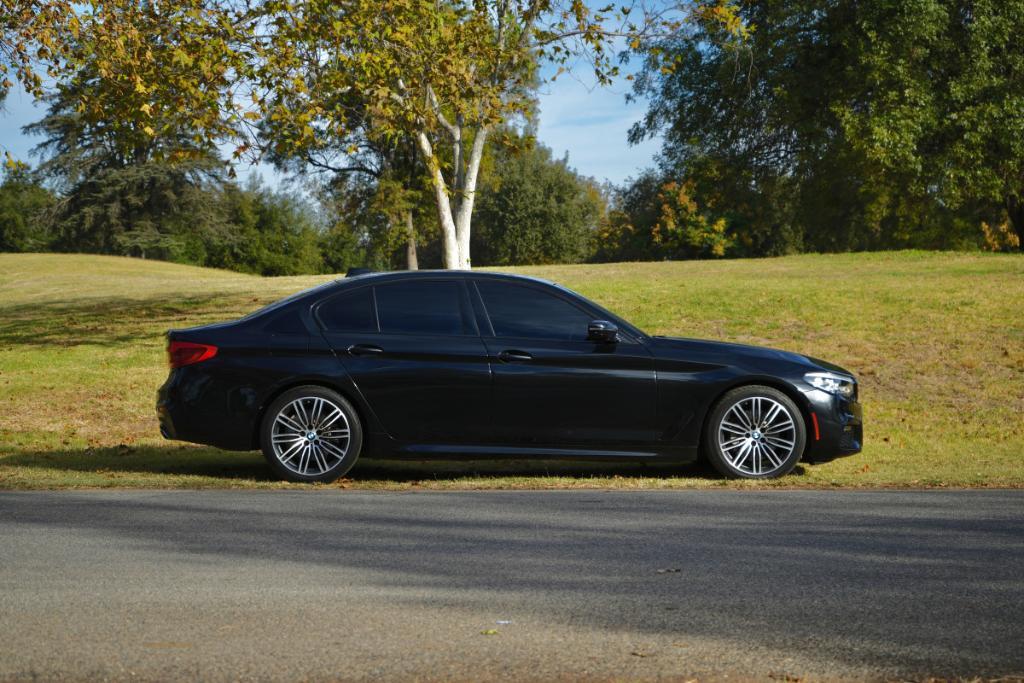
351, 312
420, 307
522, 311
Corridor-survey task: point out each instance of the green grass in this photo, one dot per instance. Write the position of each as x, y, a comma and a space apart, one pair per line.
936, 339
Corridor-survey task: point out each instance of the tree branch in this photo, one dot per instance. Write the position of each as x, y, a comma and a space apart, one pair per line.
436, 106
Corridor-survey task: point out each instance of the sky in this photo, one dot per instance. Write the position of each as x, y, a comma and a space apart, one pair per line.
576, 118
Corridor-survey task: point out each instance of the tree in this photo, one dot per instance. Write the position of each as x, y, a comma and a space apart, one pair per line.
947, 76
370, 216
124, 190
377, 180
653, 218
442, 74
23, 203
848, 125
272, 232
534, 209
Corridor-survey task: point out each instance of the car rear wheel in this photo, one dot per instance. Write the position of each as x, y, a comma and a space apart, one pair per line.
755, 432
311, 434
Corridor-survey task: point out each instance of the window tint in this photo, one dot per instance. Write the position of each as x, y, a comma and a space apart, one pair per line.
286, 323
349, 312
420, 307
518, 311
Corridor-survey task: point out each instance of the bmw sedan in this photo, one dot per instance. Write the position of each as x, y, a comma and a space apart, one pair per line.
480, 365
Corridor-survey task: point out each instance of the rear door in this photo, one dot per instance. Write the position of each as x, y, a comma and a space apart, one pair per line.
412, 348
552, 387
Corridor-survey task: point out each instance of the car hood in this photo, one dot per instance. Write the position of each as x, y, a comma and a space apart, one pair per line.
740, 352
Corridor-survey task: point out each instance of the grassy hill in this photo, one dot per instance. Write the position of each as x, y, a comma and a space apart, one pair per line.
936, 339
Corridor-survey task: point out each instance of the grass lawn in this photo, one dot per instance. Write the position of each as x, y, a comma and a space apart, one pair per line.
937, 341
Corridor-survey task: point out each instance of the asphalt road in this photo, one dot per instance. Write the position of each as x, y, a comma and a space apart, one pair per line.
571, 585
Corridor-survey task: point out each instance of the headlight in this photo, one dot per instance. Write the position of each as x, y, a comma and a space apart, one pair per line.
843, 385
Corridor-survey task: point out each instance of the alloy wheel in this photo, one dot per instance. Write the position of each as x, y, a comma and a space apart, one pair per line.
310, 435
757, 435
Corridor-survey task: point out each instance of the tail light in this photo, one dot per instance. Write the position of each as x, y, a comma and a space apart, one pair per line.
181, 353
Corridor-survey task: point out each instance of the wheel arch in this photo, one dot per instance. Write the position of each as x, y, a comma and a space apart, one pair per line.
349, 395
773, 382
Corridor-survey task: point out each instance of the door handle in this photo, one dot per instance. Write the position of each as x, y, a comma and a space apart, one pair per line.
511, 356
364, 350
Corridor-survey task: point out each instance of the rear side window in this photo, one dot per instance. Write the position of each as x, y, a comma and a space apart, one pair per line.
420, 307
518, 311
289, 322
351, 312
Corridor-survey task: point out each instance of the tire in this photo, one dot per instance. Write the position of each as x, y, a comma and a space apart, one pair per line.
311, 434
755, 432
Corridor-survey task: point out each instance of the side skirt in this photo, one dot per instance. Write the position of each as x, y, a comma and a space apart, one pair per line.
481, 452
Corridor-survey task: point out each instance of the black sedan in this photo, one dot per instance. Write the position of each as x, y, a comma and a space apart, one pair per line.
470, 364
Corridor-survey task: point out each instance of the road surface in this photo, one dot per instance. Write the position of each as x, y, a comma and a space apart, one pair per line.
573, 585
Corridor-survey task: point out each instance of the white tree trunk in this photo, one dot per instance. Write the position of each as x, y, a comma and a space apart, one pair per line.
449, 239
464, 220
456, 226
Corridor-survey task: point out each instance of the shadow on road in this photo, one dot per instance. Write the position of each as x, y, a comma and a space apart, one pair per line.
183, 460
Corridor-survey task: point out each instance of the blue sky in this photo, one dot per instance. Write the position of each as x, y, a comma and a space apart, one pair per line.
589, 123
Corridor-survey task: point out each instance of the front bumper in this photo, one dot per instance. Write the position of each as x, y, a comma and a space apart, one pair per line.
840, 427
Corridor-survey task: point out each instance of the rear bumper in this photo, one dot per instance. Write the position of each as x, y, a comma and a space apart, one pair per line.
840, 427
194, 405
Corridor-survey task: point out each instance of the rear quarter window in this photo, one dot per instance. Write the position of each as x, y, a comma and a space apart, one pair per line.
289, 322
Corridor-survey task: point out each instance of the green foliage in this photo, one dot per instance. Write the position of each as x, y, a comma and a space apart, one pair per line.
153, 210
23, 203
849, 125
163, 197
124, 191
366, 223
271, 233
535, 210
32, 32
655, 219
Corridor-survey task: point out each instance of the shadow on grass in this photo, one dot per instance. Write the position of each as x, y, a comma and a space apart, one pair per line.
144, 460
107, 321
155, 462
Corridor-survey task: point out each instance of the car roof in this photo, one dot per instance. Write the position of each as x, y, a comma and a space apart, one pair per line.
430, 274
339, 285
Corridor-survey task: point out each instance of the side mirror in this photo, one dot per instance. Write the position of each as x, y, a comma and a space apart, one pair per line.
602, 332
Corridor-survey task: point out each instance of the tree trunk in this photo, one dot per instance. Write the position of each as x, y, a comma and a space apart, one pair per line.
412, 260
455, 225
1015, 211
464, 220
449, 242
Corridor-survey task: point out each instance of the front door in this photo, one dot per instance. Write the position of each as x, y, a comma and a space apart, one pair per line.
554, 388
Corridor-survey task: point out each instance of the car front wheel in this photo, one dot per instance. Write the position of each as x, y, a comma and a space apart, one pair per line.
311, 434
755, 432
